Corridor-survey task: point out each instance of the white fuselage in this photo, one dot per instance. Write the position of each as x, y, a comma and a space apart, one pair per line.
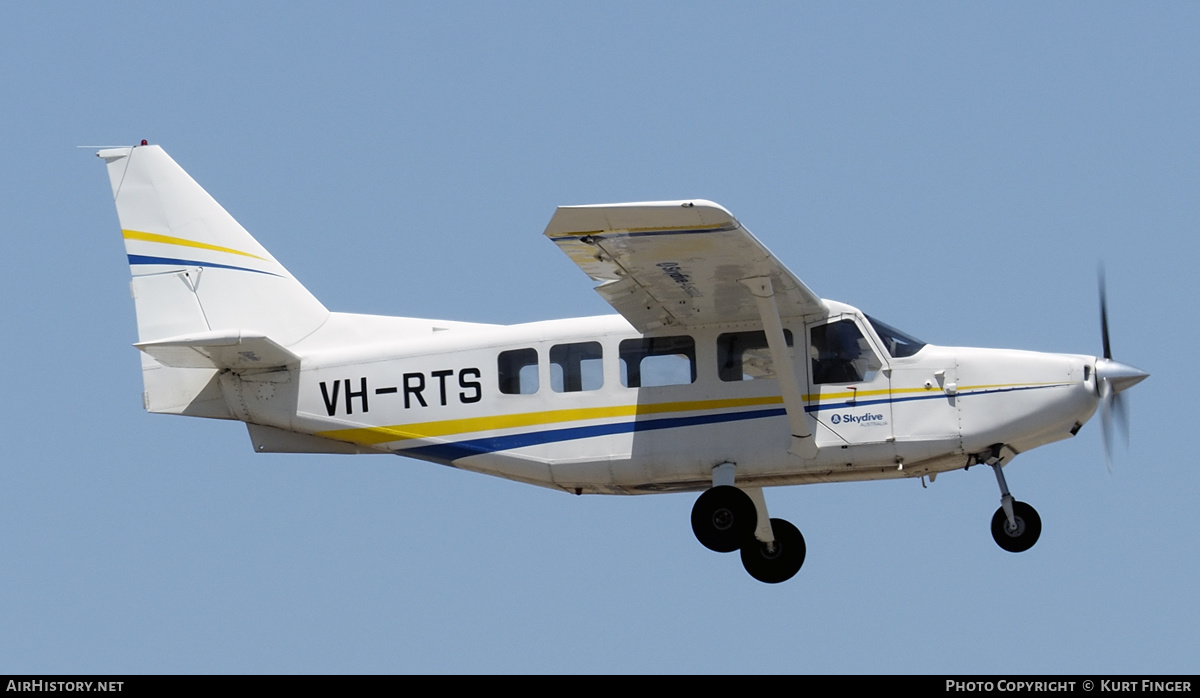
438, 396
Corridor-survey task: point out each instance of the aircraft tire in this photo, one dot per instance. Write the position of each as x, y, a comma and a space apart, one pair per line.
723, 518
1029, 527
780, 564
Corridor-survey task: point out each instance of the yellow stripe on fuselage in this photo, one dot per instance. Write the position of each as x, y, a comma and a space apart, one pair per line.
169, 240
371, 436
846, 395
852, 394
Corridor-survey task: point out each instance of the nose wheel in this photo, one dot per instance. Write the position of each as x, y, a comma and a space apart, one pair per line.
1015, 525
1022, 533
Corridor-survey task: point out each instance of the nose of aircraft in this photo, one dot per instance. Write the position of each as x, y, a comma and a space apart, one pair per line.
1112, 377
1117, 376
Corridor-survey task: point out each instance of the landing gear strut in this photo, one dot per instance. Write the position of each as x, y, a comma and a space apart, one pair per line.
727, 518
1015, 525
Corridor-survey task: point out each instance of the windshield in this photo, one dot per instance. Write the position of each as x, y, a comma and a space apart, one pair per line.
898, 344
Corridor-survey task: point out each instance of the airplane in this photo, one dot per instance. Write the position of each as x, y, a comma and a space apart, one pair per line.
723, 373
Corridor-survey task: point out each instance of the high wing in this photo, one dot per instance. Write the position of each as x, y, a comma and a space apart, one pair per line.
675, 263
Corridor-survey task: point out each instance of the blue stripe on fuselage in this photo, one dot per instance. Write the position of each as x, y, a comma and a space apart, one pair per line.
474, 447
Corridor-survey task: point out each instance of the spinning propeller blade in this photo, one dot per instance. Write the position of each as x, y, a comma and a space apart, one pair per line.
1112, 378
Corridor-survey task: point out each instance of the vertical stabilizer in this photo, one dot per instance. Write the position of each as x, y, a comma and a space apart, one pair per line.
195, 269
197, 274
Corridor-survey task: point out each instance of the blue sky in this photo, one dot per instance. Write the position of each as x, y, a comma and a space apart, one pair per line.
957, 170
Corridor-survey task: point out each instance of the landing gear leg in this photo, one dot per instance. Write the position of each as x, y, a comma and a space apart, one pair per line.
1015, 525
727, 518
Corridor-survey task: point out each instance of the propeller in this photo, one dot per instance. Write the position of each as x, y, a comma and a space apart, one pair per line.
1113, 378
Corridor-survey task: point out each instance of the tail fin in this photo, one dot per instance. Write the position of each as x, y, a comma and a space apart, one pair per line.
197, 275
195, 269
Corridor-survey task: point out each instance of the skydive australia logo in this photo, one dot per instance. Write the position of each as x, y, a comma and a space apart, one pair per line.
865, 420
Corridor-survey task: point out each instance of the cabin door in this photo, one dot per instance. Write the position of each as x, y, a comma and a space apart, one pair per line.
849, 389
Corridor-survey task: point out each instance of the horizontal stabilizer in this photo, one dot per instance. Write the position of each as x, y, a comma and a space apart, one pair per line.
273, 440
231, 349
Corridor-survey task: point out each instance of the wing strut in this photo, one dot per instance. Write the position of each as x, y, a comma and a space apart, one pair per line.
803, 443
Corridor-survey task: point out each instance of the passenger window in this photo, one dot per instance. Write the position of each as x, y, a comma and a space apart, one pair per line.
743, 356
840, 354
654, 361
518, 371
576, 367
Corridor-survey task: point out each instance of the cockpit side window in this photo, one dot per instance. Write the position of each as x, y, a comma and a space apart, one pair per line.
897, 343
841, 354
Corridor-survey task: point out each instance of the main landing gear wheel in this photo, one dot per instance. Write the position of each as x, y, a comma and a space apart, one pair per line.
779, 562
1026, 532
724, 518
